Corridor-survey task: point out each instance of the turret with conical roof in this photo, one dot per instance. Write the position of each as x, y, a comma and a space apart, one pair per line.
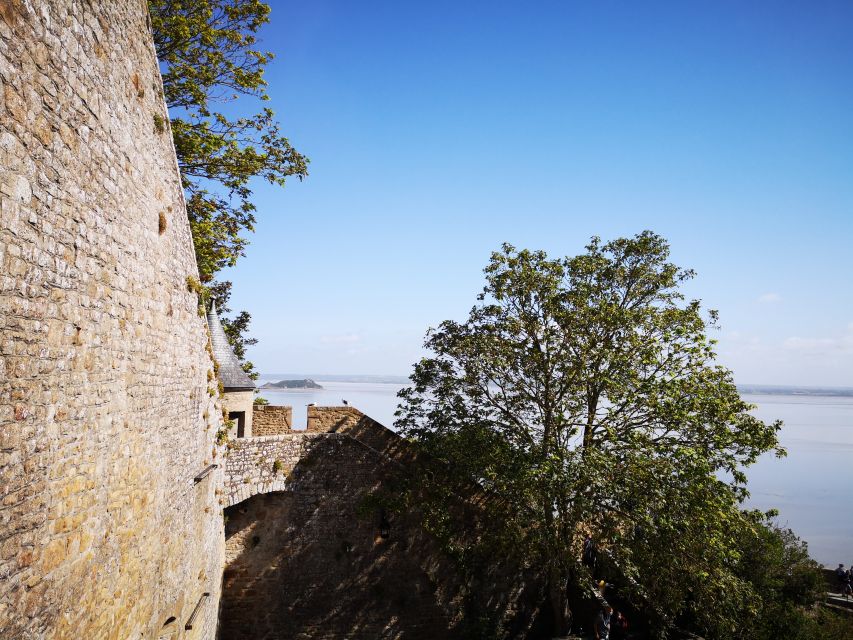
230, 370
239, 388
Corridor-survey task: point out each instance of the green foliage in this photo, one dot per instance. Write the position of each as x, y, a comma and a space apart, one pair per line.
222, 434
159, 123
236, 328
277, 466
209, 56
777, 565
583, 394
196, 287
259, 401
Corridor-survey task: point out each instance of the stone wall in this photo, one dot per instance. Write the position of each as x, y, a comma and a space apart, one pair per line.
270, 420
263, 464
324, 419
243, 402
105, 412
311, 554
308, 561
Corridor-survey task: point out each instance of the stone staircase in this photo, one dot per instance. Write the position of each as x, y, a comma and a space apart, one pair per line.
837, 600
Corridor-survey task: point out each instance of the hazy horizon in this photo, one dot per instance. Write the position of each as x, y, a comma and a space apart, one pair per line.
394, 378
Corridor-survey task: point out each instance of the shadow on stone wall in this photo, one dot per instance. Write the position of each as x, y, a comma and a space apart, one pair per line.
312, 561
306, 563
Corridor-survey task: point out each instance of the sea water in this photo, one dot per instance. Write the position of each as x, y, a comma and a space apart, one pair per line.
810, 487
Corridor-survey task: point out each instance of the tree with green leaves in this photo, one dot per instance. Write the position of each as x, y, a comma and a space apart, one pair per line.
583, 394
777, 565
209, 56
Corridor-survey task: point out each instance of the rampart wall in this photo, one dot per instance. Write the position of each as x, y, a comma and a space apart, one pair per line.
111, 481
105, 413
264, 464
270, 420
309, 560
324, 419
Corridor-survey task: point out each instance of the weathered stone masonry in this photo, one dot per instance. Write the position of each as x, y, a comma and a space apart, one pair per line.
310, 557
269, 420
305, 559
263, 464
105, 412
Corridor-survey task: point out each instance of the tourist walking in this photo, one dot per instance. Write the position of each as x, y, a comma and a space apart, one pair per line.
601, 628
618, 626
588, 556
841, 577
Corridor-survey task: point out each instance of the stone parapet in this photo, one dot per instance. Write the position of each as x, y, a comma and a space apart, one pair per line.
320, 545
265, 464
326, 419
270, 420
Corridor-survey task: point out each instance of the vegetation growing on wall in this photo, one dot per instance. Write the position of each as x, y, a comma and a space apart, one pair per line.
209, 56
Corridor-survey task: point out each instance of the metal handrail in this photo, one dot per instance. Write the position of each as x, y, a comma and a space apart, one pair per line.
205, 473
189, 624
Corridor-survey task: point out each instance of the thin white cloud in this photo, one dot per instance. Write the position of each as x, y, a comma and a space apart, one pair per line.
346, 338
769, 298
801, 360
825, 346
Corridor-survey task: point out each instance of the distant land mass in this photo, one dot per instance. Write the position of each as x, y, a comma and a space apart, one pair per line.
780, 390
305, 383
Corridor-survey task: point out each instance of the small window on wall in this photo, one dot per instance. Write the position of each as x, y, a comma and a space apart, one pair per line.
240, 418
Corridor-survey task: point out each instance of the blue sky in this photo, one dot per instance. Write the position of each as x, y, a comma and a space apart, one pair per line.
439, 130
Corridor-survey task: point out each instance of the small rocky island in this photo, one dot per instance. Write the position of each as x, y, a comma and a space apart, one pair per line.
292, 384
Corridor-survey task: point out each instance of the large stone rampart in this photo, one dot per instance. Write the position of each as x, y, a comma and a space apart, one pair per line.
325, 419
105, 413
308, 556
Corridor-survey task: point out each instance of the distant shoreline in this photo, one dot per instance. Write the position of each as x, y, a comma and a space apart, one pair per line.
781, 390
755, 389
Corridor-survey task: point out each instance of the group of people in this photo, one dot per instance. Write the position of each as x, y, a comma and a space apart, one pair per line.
609, 624
845, 580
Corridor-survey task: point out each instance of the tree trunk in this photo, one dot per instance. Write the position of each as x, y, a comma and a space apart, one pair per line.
559, 601
592, 409
557, 596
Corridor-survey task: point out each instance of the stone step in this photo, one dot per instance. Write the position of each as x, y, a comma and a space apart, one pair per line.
838, 600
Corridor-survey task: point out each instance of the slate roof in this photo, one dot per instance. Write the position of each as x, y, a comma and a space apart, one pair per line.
230, 372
